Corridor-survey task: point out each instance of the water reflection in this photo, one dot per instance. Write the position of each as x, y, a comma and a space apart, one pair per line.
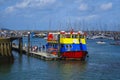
6, 64
67, 70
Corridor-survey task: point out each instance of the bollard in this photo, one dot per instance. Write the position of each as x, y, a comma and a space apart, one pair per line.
28, 42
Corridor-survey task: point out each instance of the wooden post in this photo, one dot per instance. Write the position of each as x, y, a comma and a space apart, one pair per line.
9, 49
20, 45
58, 45
28, 42
5, 49
2, 49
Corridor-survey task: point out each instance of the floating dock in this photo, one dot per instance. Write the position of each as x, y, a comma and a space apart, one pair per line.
39, 54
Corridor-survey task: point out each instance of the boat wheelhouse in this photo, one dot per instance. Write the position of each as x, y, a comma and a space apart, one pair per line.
70, 45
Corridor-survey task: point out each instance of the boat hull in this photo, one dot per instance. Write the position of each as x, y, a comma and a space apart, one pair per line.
74, 54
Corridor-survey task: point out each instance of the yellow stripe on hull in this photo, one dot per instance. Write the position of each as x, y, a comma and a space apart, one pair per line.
69, 41
83, 41
72, 40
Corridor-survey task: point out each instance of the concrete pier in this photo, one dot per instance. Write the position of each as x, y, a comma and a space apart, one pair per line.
6, 48
6, 51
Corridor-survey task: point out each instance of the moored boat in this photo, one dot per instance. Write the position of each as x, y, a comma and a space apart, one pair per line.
101, 42
67, 45
115, 43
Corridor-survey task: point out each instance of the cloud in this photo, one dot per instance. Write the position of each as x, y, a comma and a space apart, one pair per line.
30, 4
91, 17
9, 9
88, 17
83, 7
78, 1
106, 6
23, 4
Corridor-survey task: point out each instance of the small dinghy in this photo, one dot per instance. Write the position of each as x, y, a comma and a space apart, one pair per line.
101, 42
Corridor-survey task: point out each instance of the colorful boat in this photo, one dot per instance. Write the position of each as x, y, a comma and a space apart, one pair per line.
67, 45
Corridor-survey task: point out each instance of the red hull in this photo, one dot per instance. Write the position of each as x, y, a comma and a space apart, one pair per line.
76, 54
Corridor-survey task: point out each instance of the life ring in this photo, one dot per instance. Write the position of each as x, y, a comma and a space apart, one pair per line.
52, 49
54, 53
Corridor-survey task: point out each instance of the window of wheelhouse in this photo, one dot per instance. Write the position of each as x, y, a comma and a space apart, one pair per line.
82, 36
62, 35
67, 36
74, 36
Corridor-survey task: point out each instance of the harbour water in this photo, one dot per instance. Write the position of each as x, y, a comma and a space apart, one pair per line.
103, 64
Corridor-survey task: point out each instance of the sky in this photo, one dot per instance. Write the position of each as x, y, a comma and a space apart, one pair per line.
60, 14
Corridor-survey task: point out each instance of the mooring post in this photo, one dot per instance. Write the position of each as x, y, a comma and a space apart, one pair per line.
28, 42
9, 48
10, 44
58, 45
2, 49
20, 45
5, 49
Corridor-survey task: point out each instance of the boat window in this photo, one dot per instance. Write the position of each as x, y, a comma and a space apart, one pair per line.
62, 36
66, 46
67, 36
62, 45
53, 45
81, 36
74, 36
55, 37
70, 46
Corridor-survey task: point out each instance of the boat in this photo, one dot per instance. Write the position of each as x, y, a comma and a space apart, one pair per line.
101, 42
67, 45
45, 38
115, 43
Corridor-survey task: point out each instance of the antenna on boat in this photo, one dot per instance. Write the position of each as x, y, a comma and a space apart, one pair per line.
50, 23
60, 25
